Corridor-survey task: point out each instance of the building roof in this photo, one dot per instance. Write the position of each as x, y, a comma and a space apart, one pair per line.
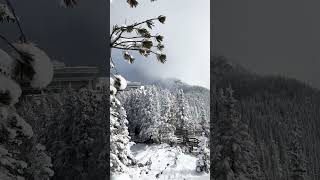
75, 73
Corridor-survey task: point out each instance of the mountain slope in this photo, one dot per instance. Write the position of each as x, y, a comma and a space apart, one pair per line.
270, 105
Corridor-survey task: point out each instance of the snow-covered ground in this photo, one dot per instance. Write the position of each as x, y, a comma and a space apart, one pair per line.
168, 163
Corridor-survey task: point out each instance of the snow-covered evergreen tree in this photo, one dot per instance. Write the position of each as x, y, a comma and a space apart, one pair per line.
166, 128
150, 115
149, 110
275, 163
297, 163
234, 150
203, 162
131, 101
205, 126
120, 155
39, 70
155, 107
40, 167
74, 132
76, 135
21, 157
184, 121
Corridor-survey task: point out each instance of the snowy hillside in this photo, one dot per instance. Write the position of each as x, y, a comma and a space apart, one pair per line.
161, 162
158, 112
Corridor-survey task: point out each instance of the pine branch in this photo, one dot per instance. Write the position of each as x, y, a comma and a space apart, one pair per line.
22, 34
131, 27
137, 24
129, 42
135, 49
135, 37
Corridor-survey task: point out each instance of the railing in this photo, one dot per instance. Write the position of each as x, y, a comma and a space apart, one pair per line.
183, 137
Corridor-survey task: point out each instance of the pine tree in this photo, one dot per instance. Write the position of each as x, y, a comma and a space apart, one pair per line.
120, 156
203, 161
150, 116
275, 163
166, 128
132, 102
183, 113
234, 150
297, 164
77, 137
204, 122
149, 113
21, 157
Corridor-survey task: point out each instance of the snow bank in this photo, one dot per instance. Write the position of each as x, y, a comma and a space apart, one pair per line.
168, 163
121, 177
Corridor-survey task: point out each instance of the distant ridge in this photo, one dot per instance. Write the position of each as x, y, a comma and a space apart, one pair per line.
269, 105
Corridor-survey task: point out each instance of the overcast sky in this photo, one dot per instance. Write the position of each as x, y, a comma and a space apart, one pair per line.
271, 36
76, 36
187, 39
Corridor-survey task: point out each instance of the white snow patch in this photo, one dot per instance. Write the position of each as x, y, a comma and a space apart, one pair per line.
113, 90
168, 163
120, 82
111, 81
121, 177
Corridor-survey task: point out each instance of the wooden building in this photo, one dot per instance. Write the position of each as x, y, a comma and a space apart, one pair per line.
75, 77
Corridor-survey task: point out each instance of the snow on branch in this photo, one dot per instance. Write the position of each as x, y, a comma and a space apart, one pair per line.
40, 66
5, 14
135, 3
137, 37
119, 82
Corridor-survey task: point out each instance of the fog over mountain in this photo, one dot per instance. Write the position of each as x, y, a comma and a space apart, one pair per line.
186, 38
